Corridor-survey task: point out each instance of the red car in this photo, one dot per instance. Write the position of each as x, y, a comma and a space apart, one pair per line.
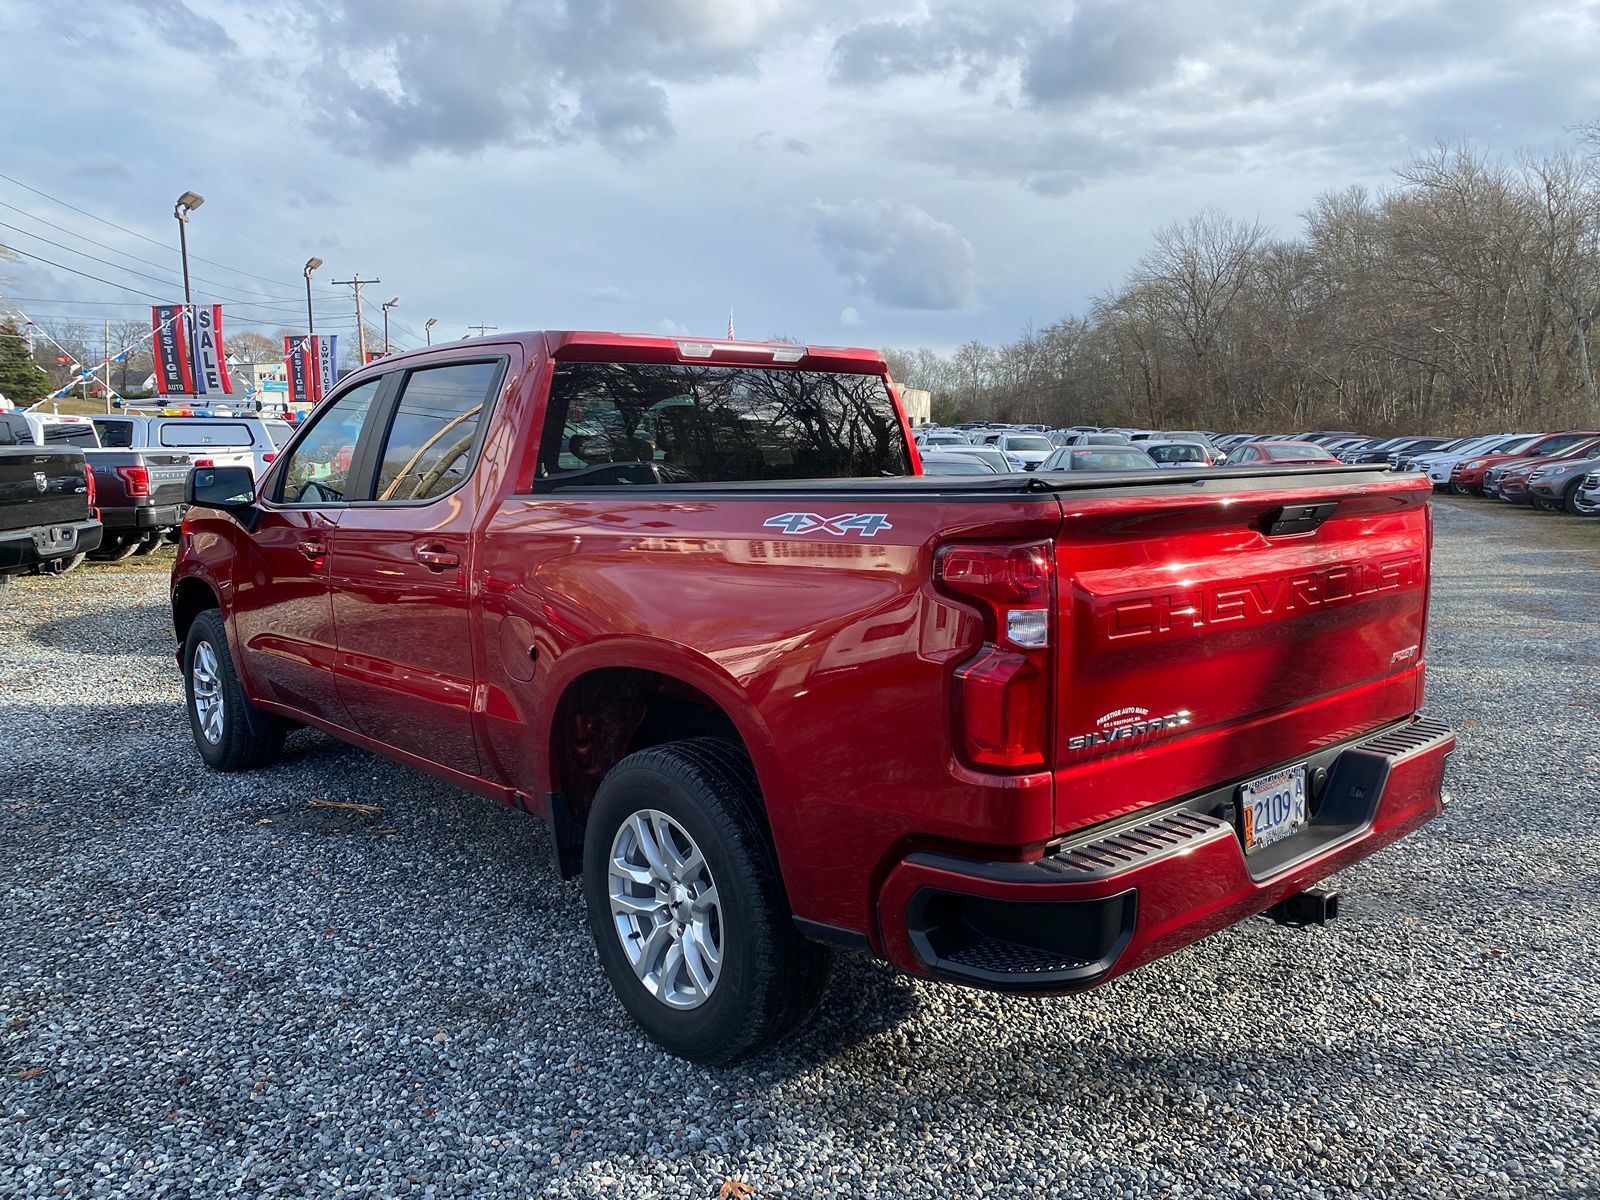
777, 693
1279, 454
1467, 476
1514, 479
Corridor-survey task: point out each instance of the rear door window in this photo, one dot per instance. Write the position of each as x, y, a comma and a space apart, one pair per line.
664, 423
430, 446
70, 433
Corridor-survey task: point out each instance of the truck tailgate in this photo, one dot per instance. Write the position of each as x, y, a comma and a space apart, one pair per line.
40, 487
1207, 636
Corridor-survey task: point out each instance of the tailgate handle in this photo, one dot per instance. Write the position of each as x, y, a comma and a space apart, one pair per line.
1298, 518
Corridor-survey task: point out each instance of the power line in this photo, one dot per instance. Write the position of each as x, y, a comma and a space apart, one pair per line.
135, 233
121, 287
147, 262
141, 274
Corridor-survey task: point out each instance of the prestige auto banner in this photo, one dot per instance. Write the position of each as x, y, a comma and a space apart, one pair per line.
297, 356
174, 370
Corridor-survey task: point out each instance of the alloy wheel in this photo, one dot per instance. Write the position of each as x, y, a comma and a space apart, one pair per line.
205, 675
665, 909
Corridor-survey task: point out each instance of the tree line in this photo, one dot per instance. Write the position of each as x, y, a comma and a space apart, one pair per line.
1463, 298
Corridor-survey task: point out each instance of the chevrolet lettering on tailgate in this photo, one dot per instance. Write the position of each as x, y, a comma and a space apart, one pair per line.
1252, 602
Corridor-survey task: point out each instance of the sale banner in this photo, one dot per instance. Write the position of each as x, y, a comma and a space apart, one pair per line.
174, 369
210, 360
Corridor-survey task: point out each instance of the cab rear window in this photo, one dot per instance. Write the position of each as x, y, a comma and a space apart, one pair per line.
659, 423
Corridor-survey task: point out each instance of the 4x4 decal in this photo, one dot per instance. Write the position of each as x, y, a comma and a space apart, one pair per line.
865, 524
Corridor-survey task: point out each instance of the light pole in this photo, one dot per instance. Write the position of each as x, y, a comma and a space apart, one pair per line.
387, 305
311, 265
427, 329
186, 204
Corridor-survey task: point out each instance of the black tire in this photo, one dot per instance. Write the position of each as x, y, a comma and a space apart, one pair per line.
770, 978
71, 563
248, 737
1569, 498
148, 546
116, 551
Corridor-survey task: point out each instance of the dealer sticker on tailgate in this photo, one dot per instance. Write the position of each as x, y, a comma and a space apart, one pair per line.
1273, 807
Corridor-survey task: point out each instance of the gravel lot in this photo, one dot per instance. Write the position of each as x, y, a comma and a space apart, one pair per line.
207, 986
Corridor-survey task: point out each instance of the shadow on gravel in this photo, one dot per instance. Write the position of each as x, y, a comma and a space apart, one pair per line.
864, 998
109, 632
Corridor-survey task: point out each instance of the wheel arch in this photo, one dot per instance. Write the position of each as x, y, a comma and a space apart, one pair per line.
191, 596
619, 698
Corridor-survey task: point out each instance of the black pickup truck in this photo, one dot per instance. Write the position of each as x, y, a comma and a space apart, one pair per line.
139, 491
47, 516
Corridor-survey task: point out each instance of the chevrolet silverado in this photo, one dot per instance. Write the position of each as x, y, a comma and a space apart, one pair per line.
777, 693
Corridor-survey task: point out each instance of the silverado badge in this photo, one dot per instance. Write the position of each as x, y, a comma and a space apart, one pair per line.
1128, 725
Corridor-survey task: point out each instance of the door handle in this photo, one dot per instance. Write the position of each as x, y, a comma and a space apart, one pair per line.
436, 558
313, 549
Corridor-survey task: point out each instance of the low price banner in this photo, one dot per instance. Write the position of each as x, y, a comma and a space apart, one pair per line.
210, 360
327, 351
174, 370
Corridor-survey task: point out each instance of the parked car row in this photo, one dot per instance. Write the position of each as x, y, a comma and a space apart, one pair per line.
1551, 471
1100, 448
138, 464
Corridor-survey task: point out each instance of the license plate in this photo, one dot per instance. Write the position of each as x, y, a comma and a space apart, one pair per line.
1273, 807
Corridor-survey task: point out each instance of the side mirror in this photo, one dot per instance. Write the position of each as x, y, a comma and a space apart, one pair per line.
221, 487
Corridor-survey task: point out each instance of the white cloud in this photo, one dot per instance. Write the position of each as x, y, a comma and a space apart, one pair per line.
849, 316
898, 253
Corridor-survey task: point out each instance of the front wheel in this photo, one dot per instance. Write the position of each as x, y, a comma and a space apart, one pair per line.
231, 733
687, 906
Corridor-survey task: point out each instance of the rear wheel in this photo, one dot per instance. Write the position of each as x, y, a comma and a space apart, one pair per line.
118, 550
231, 733
150, 543
687, 906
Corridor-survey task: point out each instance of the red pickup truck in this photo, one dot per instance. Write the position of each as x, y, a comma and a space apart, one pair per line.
777, 693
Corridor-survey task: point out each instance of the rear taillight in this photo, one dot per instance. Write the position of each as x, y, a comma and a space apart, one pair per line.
1002, 693
88, 479
136, 480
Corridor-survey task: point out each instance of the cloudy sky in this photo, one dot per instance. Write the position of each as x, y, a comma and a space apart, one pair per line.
877, 173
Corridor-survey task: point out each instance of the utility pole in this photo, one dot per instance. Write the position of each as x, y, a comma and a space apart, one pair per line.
483, 329
387, 305
361, 326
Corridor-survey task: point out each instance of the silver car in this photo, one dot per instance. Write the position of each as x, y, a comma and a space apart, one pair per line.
1586, 501
1556, 485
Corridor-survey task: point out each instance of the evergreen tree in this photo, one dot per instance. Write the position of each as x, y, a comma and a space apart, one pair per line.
21, 380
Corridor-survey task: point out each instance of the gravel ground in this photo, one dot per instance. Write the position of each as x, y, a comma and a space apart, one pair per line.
206, 986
